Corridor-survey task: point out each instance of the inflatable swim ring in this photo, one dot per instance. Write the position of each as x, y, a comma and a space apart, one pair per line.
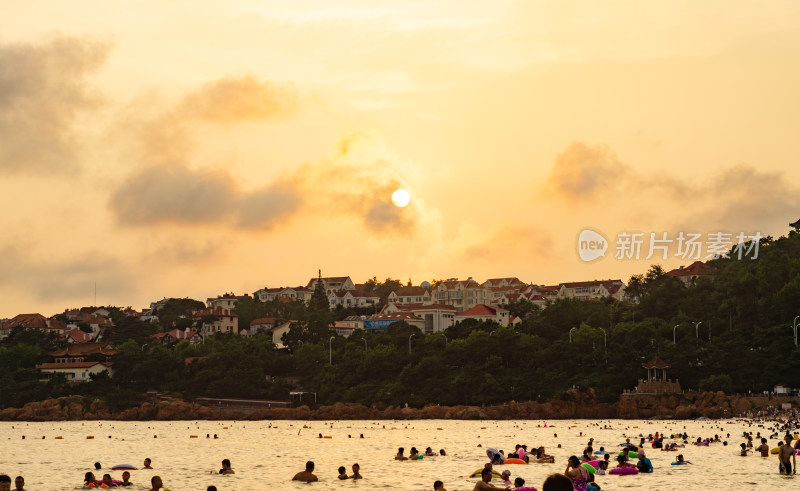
624, 471
548, 460
598, 452
491, 452
126, 467
594, 463
632, 455
775, 450
589, 468
678, 463
514, 461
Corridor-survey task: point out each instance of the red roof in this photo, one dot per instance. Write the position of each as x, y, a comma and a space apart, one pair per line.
608, 284
481, 310
84, 349
71, 365
262, 320
214, 311
695, 269
657, 363
78, 336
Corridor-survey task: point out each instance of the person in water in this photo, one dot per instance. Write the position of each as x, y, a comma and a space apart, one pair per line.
226, 467
156, 483
19, 483
429, 452
343, 473
88, 478
644, 465
787, 460
413, 454
519, 483
744, 450
147, 464
356, 472
557, 482
438, 486
505, 476
107, 481
602, 467
442, 453
5, 482
577, 473
306, 475
484, 483
400, 455
763, 448
680, 459
126, 479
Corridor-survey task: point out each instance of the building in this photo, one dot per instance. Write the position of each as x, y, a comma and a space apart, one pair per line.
342, 329
33, 321
177, 335
77, 336
278, 332
297, 293
382, 321
332, 284
689, 274
462, 295
657, 381
410, 294
71, 361
225, 321
352, 298
436, 317
484, 312
592, 290
226, 301
262, 324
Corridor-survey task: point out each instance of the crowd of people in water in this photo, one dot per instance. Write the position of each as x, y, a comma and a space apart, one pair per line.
578, 475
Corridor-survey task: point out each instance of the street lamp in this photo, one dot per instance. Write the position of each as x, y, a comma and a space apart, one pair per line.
145, 344
673, 333
330, 351
605, 339
365, 343
697, 331
795, 325
409, 344
570, 333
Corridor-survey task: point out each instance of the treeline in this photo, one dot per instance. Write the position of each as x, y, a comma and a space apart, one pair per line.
733, 334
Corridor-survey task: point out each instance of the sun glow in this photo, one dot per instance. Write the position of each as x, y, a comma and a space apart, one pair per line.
400, 198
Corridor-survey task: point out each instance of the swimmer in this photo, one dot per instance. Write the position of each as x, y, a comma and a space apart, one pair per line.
429, 452
306, 475
343, 473
88, 479
413, 454
744, 451
519, 483
505, 476
680, 458
400, 455
557, 482
126, 479
576, 473
226, 467
484, 483
97, 466
356, 472
602, 466
763, 448
107, 481
5, 482
442, 453
156, 483
438, 486
19, 483
147, 464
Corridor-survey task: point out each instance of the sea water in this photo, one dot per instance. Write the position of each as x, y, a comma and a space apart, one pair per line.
266, 454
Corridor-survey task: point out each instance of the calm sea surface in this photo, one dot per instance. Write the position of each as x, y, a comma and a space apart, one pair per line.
265, 455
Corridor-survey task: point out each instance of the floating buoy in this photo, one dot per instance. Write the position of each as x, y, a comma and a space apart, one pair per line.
90, 437
192, 436
59, 438
439, 429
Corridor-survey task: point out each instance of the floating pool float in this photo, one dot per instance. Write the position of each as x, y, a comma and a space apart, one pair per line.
623, 471
127, 467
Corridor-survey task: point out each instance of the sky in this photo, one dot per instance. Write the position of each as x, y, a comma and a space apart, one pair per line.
155, 149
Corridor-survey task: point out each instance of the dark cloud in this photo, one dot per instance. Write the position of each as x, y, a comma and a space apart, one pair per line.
583, 171
178, 195
43, 88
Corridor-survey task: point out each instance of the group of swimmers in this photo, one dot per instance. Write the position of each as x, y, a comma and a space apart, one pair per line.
89, 479
5, 483
414, 454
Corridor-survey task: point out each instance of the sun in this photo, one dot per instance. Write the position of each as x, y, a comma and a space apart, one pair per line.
400, 198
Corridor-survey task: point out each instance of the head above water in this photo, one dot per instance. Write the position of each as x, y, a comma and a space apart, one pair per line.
309, 466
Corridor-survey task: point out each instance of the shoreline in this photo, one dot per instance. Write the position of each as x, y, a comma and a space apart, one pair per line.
574, 405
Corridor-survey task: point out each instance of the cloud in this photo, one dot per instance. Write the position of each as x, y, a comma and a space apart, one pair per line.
232, 99
43, 89
510, 241
582, 171
177, 195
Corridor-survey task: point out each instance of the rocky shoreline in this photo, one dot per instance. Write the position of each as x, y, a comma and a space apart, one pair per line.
573, 405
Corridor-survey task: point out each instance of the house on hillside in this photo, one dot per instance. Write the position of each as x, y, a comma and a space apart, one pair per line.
33, 321
332, 284
226, 300
262, 324
410, 294
72, 362
462, 295
436, 317
352, 298
592, 290
689, 274
484, 312
225, 321
177, 335
297, 293
76, 336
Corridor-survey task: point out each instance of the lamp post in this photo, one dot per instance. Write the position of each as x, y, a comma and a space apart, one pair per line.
795, 325
409, 344
570, 334
697, 331
605, 341
673, 333
145, 344
330, 351
445, 338
365, 344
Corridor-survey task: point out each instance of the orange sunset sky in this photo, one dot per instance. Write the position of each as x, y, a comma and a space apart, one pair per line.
183, 148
